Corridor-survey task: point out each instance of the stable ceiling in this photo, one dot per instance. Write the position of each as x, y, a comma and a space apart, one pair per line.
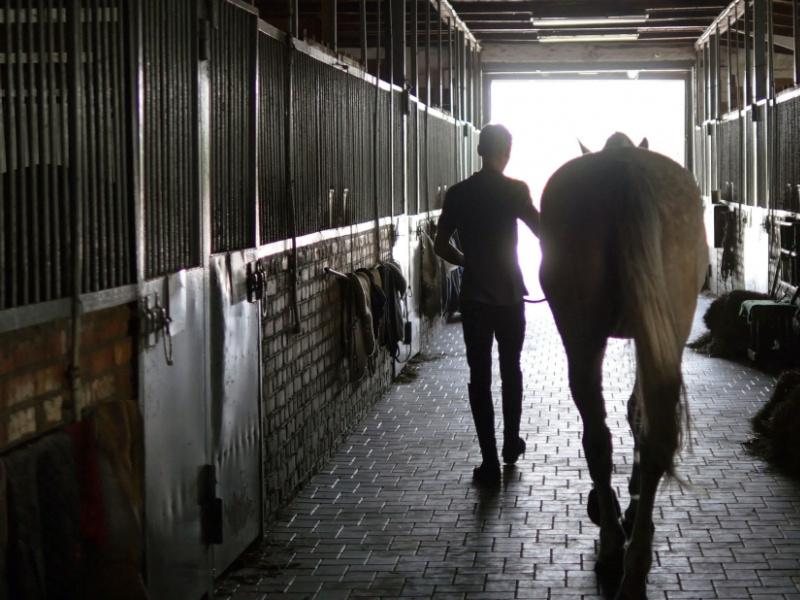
515, 21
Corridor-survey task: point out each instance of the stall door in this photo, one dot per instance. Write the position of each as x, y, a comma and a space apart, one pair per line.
235, 420
172, 358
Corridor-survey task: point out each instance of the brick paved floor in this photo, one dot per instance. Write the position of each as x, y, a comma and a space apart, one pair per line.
394, 514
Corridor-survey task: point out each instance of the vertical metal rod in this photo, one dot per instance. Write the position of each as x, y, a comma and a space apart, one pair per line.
5, 167
450, 73
109, 117
77, 135
363, 33
462, 70
91, 239
715, 73
748, 56
46, 162
759, 41
65, 210
294, 18
123, 188
772, 153
440, 62
415, 47
737, 82
397, 32
19, 222
289, 141
796, 36
34, 100
427, 54
329, 24
729, 58
161, 190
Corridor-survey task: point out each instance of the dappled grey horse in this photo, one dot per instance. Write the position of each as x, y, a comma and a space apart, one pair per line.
624, 255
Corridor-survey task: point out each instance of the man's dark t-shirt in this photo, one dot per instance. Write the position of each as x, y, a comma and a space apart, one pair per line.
484, 210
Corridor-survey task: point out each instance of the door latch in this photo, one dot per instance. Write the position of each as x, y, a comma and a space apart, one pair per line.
154, 320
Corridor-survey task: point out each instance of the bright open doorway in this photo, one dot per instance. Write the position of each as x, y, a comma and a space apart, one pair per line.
548, 116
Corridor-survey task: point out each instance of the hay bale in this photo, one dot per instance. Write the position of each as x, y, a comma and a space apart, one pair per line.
777, 423
728, 333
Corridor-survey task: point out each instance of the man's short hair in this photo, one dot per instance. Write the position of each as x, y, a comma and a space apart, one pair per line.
495, 140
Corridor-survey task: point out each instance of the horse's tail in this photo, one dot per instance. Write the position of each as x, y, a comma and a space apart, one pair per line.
648, 312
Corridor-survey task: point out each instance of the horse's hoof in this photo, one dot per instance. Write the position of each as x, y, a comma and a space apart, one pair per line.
628, 592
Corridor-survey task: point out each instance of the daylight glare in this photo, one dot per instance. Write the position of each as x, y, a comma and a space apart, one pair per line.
548, 116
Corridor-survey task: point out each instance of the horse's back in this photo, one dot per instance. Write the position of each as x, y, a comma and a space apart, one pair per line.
584, 214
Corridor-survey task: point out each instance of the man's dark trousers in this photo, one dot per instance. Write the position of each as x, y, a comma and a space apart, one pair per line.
482, 323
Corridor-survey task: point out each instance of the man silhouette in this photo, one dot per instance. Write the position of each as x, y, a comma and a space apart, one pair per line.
484, 209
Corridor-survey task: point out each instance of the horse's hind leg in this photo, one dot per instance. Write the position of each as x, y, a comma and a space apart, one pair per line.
638, 555
585, 379
634, 484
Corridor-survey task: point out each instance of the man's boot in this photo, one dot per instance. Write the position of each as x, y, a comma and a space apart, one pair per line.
480, 401
513, 445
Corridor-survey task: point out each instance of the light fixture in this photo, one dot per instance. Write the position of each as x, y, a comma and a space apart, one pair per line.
612, 37
579, 21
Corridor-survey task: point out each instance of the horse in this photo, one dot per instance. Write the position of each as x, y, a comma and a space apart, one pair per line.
624, 255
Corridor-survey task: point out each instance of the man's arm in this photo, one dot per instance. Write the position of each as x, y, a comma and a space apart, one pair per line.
444, 248
529, 215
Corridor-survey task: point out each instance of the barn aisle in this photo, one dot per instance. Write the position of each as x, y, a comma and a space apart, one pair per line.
394, 514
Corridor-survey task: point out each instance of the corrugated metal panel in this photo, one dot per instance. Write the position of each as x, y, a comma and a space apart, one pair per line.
169, 129
273, 211
232, 72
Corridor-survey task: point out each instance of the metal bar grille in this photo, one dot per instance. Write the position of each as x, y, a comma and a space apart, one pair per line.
384, 152
170, 172
412, 157
306, 75
442, 158
788, 159
35, 249
108, 209
398, 142
729, 154
273, 212
36, 207
232, 72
